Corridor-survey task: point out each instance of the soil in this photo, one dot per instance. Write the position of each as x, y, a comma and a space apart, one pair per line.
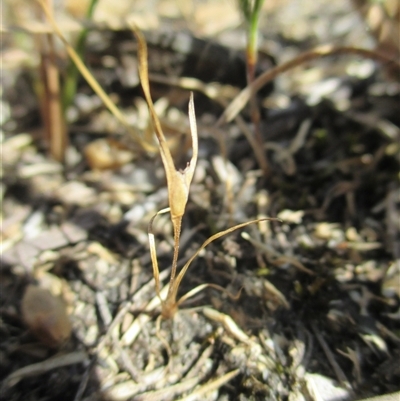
311, 302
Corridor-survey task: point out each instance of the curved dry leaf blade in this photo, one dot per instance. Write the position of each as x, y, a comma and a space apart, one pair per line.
144, 81
178, 181
228, 323
207, 242
153, 252
240, 101
195, 143
179, 190
202, 287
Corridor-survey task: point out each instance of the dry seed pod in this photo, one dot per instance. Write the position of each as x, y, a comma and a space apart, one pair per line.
46, 316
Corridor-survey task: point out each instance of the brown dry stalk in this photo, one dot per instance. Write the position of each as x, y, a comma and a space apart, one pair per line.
92, 81
212, 92
178, 183
171, 304
244, 96
50, 96
57, 127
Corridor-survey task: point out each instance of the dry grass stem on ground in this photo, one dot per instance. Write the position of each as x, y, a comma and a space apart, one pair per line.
244, 96
136, 136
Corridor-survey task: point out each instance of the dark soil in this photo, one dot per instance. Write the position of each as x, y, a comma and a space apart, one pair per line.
319, 311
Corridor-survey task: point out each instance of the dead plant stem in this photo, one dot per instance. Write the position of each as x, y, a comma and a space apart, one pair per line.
92, 82
57, 129
322, 51
50, 96
177, 233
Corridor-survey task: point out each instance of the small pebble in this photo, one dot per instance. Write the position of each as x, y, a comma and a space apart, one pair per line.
46, 316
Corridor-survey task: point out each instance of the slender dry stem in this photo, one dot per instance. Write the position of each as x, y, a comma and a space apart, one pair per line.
243, 97
50, 97
92, 81
178, 181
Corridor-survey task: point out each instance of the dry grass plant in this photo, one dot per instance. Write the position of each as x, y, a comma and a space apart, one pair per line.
178, 183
